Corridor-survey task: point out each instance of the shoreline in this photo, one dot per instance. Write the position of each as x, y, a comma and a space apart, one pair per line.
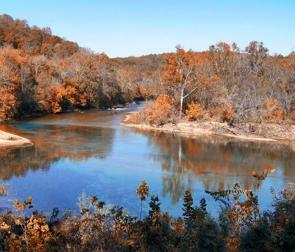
11, 140
269, 133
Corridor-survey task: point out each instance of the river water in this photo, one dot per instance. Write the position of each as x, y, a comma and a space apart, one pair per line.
91, 153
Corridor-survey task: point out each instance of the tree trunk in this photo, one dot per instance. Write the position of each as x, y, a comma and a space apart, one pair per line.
181, 102
140, 209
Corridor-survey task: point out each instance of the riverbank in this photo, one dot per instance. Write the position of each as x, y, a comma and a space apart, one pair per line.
11, 140
246, 131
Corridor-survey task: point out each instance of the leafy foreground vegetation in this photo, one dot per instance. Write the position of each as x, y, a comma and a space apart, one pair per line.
239, 227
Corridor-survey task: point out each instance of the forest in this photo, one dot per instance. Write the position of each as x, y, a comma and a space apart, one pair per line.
224, 84
41, 73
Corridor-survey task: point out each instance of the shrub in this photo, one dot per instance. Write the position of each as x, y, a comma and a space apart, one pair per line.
274, 112
161, 111
155, 113
274, 231
224, 113
195, 111
241, 227
227, 114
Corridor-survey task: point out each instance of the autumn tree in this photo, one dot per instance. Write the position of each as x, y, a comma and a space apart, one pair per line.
16, 83
257, 54
142, 192
180, 76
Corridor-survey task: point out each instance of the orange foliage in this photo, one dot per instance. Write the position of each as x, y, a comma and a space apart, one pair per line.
175, 63
68, 96
160, 112
33, 40
228, 113
163, 101
156, 113
42, 73
204, 81
225, 113
274, 111
12, 65
195, 111
7, 104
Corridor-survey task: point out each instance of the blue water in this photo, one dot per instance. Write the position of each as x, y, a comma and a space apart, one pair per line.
92, 153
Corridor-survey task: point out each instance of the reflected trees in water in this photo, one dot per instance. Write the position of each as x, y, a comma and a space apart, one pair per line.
216, 162
52, 143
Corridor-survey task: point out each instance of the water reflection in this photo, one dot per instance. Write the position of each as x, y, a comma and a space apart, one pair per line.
218, 163
92, 153
52, 143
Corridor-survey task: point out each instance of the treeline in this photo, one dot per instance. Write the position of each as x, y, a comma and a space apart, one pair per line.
42, 73
225, 84
240, 226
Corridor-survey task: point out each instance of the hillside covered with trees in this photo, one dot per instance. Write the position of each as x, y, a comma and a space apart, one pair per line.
42, 73
225, 84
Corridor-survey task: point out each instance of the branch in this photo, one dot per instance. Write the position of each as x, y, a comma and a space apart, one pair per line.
187, 75
190, 92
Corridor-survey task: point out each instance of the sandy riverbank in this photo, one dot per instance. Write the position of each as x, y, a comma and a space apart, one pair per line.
11, 140
246, 131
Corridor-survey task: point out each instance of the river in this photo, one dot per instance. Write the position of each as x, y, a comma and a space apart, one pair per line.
91, 153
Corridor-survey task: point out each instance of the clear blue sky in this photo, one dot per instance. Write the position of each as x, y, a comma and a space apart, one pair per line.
137, 27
